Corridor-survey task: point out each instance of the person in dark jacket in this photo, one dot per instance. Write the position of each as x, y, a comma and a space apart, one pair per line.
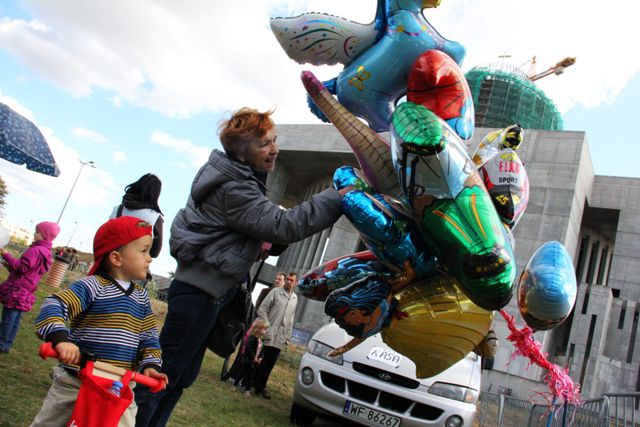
216, 238
250, 355
141, 201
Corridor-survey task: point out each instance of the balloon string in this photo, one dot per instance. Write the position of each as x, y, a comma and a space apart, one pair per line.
557, 379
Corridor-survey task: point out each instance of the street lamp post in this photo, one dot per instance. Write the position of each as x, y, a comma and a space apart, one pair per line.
72, 233
89, 163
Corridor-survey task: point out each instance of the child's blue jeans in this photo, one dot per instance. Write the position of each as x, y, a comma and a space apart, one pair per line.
9, 327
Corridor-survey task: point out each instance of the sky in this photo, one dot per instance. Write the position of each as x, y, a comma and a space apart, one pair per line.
140, 87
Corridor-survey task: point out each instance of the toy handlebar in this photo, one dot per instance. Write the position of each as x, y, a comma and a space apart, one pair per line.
46, 350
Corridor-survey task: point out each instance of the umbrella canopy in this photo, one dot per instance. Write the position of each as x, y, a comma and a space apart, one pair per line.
22, 143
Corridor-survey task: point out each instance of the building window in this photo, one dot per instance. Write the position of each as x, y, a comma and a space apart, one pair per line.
585, 301
582, 257
623, 313
324, 249
601, 267
587, 350
569, 362
572, 349
595, 250
593, 261
632, 339
609, 267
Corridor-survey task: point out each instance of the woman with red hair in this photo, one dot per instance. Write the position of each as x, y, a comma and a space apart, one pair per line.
215, 240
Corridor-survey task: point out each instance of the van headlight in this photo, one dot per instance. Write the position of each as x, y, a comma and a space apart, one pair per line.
455, 392
322, 350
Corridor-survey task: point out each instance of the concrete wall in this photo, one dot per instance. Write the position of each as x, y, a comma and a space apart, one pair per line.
623, 194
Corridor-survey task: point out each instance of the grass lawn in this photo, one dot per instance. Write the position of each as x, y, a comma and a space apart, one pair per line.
209, 402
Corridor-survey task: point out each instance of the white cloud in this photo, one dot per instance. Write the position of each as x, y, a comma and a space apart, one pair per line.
196, 153
119, 156
36, 197
16, 106
185, 57
116, 101
88, 134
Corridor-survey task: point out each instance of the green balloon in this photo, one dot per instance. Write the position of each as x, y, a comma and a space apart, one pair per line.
453, 209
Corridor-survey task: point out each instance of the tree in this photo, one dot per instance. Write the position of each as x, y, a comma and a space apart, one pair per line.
3, 194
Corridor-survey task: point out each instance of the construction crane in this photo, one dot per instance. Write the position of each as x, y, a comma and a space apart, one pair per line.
556, 69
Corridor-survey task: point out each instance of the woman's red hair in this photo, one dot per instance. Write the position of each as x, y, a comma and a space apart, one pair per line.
244, 126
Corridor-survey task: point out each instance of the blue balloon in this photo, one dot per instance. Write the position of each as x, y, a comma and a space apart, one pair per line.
377, 57
348, 176
371, 84
336, 274
547, 288
392, 238
363, 308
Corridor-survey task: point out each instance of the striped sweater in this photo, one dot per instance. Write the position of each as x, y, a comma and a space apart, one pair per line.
114, 325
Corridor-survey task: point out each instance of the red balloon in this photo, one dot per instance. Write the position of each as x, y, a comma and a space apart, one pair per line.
436, 82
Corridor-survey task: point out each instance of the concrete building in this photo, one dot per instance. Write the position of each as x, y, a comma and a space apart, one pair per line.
597, 218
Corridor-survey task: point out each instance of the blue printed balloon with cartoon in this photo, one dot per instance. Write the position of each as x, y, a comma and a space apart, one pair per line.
377, 57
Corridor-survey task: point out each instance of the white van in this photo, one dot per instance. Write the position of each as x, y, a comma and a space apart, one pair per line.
374, 385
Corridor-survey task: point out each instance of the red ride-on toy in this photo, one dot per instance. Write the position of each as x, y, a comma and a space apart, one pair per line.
96, 404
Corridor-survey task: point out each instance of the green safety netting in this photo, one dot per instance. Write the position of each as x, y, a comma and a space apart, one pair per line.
503, 97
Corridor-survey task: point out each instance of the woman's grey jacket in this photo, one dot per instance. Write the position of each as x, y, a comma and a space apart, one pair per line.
217, 236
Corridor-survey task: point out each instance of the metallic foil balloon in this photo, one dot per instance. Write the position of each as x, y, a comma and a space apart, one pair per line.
363, 308
338, 273
436, 82
507, 182
370, 149
322, 39
392, 237
374, 81
547, 288
348, 176
454, 212
377, 57
494, 142
438, 324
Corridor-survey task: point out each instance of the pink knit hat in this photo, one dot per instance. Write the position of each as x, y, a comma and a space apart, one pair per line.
49, 230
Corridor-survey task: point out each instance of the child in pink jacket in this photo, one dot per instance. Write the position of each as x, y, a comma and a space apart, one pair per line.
17, 293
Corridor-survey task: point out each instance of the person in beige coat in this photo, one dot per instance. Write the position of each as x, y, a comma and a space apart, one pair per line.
278, 308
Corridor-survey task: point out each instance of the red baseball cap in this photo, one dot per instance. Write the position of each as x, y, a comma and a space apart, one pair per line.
116, 233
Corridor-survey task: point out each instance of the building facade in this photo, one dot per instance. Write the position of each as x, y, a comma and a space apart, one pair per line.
597, 218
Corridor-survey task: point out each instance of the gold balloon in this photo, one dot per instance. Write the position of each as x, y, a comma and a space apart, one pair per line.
442, 325
428, 4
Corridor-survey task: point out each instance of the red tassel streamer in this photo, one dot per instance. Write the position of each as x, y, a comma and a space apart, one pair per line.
560, 384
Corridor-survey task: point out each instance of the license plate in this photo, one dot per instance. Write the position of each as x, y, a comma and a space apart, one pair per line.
371, 416
385, 355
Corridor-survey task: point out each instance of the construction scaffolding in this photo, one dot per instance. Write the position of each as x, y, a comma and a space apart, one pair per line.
504, 95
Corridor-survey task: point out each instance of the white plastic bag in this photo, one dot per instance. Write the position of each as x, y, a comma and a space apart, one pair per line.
4, 237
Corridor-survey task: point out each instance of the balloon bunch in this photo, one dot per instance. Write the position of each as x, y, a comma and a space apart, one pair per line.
437, 221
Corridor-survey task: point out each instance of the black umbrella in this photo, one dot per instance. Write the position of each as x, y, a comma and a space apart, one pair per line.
22, 143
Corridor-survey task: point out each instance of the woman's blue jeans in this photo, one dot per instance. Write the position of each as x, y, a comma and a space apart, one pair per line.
191, 316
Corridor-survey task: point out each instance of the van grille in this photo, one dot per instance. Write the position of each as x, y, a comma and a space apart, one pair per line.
386, 376
381, 399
